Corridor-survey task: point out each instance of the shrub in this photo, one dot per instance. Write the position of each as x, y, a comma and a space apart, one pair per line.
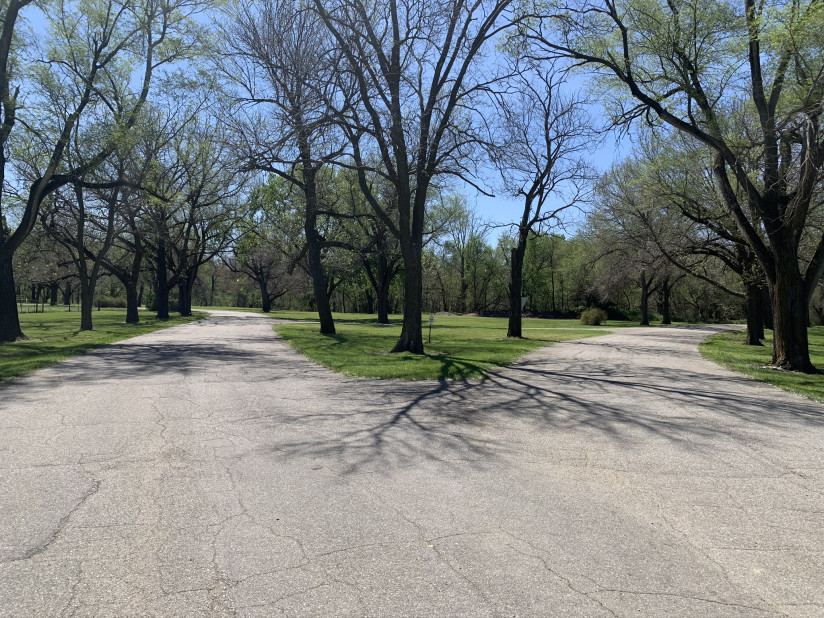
150, 301
114, 302
593, 316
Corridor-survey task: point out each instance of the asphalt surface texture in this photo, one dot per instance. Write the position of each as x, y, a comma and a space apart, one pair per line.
210, 470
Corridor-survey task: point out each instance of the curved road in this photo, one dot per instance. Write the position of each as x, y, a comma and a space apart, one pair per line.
209, 470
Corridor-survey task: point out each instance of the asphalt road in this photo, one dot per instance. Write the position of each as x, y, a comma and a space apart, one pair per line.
209, 470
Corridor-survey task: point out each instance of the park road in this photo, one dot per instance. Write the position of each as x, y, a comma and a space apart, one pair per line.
210, 470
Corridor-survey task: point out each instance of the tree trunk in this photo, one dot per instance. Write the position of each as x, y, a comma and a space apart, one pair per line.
383, 305
86, 305
313, 242
132, 314
411, 339
162, 293
54, 288
265, 300
666, 317
9, 320
515, 285
767, 307
644, 299
755, 318
790, 315
185, 289
184, 298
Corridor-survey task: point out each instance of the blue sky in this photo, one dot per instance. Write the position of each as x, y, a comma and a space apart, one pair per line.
502, 209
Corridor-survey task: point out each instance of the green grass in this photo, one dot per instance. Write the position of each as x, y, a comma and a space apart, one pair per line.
56, 336
461, 347
727, 349
32, 308
227, 308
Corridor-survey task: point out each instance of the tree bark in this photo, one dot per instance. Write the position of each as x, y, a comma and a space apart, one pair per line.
185, 289
9, 320
381, 280
265, 300
644, 299
666, 317
184, 300
753, 294
162, 292
86, 305
382, 302
767, 307
132, 314
411, 339
87, 285
314, 246
515, 285
790, 314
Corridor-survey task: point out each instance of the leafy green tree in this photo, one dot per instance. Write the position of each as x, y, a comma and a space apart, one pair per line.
90, 56
745, 80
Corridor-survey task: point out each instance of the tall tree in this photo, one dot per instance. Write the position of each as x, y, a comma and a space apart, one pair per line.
669, 189
415, 66
285, 72
78, 73
84, 222
540, 155
744, 78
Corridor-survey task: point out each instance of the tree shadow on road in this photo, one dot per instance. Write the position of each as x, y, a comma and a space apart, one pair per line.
387, 424
365, 426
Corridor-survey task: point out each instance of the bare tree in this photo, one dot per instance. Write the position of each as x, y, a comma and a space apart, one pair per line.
544, 137
415, 66
287, 83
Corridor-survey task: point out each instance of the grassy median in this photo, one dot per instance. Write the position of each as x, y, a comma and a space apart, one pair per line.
461, 347
55, 336
727, 349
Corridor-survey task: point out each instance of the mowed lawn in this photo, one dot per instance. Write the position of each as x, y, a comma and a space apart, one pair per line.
55, 336
461, 347
726, 349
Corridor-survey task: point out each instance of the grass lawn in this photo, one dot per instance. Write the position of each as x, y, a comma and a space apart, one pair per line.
726, 349
56, 336
462, 347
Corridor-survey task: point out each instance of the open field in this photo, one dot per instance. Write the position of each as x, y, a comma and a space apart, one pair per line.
726, 349
461, 347
39, 308
55, 335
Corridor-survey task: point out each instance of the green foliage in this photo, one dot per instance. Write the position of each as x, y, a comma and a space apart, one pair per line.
727, 349
56, 336
111, 302
461, 347
593, 316
150, 300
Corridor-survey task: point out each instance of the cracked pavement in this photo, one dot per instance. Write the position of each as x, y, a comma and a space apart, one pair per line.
210, 470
